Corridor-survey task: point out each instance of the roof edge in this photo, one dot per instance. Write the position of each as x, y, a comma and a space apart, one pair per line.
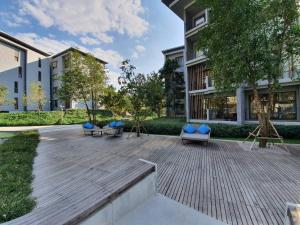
19, 42
75, 49
174, 49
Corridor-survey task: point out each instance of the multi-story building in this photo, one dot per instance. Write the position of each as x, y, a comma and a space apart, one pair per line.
174, 83
202, 103
21, 64
57, 69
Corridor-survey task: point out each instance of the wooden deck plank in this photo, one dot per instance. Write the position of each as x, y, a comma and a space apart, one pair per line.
221, 179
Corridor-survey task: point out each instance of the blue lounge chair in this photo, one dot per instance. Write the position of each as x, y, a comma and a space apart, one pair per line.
195, 134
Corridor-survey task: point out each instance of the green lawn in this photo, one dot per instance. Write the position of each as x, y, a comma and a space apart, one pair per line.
16, 159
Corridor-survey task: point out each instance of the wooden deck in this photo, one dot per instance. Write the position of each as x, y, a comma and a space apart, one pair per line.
221, 180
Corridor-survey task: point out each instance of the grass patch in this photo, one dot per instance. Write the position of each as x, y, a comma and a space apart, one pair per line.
6, 134
16, 159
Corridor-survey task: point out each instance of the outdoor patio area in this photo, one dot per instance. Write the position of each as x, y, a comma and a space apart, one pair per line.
222, 179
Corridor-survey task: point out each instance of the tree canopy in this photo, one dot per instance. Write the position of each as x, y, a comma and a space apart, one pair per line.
37, 95
84, 80
116, 101
155, 91
3, 95
249, 41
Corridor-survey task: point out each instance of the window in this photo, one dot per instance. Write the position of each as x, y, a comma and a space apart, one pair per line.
17, 56
197, 53
39, 76
54, 64
199, 20
40, 63
16, 104
210, 81
221, 108
16, 87
20, 71
285, 106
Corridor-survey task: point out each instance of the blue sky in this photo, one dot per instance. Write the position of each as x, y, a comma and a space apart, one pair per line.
112, 30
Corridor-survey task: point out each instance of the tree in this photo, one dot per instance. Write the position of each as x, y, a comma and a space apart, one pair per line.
169, 75
116, 101
133, 84
155, 93
3, 95
84, 80
37, 95
248, 41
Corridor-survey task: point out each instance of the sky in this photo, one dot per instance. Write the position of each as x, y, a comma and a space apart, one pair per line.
113, 30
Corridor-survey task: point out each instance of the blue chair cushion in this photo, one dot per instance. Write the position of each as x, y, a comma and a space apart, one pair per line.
120, 124
189, 128
203, 129
112, 124
88, 125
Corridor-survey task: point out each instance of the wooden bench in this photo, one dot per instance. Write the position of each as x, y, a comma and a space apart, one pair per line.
78, 208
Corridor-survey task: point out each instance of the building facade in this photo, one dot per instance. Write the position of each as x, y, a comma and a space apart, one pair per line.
202, 102
174, 83
22, 64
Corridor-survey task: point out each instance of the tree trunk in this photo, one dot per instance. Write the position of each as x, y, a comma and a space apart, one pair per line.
88, 111
138, 129
94, 110
158, 111
263, 118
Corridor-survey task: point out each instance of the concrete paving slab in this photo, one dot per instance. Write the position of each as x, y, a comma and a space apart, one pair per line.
161, 210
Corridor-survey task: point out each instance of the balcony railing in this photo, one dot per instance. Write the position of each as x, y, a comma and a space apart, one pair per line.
193, 54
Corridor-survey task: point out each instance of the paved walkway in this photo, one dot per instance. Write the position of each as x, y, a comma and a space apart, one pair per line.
222, 180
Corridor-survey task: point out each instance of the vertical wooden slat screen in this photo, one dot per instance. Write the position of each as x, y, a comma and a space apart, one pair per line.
197, 76
197, 110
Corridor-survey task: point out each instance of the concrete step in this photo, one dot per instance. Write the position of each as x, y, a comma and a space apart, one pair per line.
160, 210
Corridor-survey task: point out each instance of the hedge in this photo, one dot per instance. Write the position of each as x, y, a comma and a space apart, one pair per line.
48, 118
167, 126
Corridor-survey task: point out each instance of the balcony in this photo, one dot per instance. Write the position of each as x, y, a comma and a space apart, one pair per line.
194, 56
195, 19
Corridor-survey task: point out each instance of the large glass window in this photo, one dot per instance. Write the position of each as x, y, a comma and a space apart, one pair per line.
285, 106
221, 108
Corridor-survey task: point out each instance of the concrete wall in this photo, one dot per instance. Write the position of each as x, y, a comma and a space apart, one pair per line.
9, 72
125, 203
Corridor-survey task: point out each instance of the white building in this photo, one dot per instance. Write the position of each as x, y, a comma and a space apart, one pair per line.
22, 64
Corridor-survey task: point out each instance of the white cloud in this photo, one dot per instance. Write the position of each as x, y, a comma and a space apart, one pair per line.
13, 20
138, 50
89, 41
51, 45
110, 56
95, 18
113, 78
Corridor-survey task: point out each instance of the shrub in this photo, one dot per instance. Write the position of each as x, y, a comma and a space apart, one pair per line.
48, 118
169, 126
